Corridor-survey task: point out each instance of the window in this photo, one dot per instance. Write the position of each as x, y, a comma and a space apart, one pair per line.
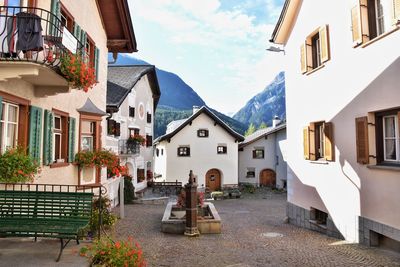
251, 172
221, 149
183, 151
131, 112
60, 138
318, 216
90, 51
149, 140
157, 152
9, 126
314, 52
258, 153
372, 18
162, 151
387, 138
133, 132
67, 20
140, 175
148, 117
202, 133
113, 128
88, 134
318, 141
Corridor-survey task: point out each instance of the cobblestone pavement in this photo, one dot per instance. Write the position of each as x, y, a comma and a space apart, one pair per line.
248, 224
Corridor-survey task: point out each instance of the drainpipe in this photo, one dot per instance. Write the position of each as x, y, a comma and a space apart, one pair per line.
115, 57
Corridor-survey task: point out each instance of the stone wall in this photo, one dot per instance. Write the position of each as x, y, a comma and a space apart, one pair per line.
368, 230
302, 218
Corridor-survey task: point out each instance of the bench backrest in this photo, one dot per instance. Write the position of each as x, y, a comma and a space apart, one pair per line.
46, 205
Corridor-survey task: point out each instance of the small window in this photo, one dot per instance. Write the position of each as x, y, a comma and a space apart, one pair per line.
88, 134
318, 141
67, 20
251, 172
149, 140
162, 151
258, 153
183, 151
157, 152
314, 52
140, 175
148, 117
221, 149
202, 133
318, 216
131, 112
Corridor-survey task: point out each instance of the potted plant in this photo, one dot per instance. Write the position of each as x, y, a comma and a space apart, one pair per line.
136, 139
17, 167
79, 74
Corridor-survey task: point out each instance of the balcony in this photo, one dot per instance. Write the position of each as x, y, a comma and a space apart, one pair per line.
32, 42
128, 148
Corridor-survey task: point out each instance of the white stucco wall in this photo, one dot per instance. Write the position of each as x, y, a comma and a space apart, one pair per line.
203, 154
354, 82
140, 94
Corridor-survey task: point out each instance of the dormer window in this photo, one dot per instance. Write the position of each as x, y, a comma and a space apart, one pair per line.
202, 133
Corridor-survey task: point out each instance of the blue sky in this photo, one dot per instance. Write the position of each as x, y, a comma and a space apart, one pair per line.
216, 46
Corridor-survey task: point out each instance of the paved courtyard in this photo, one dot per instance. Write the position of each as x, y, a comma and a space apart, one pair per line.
248, 239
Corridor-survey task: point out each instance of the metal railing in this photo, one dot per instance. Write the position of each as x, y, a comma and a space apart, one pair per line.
34, 35
128, 147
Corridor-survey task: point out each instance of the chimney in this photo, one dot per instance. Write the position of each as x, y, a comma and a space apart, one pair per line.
275, 121
195, 109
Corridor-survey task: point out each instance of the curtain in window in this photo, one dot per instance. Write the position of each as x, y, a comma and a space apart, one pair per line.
390, 140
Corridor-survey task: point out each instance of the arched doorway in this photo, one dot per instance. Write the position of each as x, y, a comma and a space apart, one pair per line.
267, 178
213, 180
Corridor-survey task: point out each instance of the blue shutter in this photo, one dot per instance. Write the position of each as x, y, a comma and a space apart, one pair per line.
71, 140
48, 137
96, 62
35, 132
83, 41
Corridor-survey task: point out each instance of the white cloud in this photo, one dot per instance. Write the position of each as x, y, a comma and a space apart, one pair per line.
227, 43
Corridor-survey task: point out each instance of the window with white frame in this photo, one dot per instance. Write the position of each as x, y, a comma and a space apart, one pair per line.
57, 138
9, 126
183, 151
87, 135
251, 172
391, 139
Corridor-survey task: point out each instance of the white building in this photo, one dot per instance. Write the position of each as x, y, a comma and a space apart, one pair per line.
343, 117
261, 161
132, 96
202, 143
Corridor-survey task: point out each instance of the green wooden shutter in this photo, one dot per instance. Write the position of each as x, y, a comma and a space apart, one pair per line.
77, 32
96, 62
48, 137
71, 140
55, 18
83, 40
35, 132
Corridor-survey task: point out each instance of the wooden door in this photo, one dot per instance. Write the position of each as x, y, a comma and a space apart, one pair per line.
213, 180
268, 178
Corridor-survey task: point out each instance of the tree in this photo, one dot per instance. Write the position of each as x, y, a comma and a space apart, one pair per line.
263, 125
250, 130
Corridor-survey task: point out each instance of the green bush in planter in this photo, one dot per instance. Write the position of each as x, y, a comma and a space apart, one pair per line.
17, 167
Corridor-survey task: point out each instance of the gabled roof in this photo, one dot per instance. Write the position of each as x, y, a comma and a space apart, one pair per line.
210, 114
261, 134
286, 22
122, 79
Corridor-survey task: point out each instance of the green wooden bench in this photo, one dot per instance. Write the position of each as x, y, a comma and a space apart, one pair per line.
44, 214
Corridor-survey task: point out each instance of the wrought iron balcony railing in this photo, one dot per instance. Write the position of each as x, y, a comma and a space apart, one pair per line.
34, 35
128, 147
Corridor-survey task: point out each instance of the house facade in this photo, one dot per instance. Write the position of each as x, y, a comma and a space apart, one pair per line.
342, 88
201, 143
41, 111
261, 161
132, 96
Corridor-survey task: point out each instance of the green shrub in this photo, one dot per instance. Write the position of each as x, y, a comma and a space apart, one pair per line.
108, 219
108, 253
17, 167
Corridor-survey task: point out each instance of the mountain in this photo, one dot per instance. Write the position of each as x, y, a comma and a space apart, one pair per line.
177, 99
265, 105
